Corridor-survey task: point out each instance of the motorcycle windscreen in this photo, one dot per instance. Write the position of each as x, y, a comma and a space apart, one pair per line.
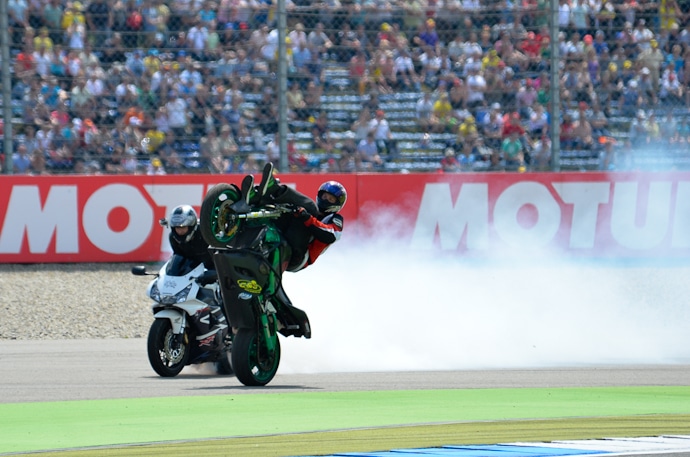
180, 266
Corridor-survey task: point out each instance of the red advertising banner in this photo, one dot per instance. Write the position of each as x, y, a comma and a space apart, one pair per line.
115, 218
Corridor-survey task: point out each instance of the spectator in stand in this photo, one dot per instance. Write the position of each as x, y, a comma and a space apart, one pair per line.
467, 132
99, 19
492, 126
476, 86
600, 44
567, 136
457, 96
38, 164
301, 55
513, 152
176, 108
155, 167
298, 36
541, 154
646, 87
442, 118
512, 123
538, 123
266, 112
526, 98
383, 134
295, 102
582, 129
428, 36
630, 100
652, 58
643, 35
368, 156
52, 18
360, 127
314, 70
358, 71
210, 149
449, 162
424, 108
319, 42
250, 165
653, 129
321, 134
21, 161
312, 98
406, 77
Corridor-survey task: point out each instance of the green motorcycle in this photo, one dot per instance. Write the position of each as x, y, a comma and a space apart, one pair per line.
250, 254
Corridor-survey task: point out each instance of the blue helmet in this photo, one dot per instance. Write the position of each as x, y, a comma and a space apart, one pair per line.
337, 190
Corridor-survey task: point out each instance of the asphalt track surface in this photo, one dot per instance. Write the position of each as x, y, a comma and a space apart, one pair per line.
63, 370
35, 371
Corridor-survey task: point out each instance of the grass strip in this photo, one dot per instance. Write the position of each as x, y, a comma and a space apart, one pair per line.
27, 427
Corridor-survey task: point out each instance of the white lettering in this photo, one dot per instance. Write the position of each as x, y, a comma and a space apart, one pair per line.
681, 217
652, 231
170, 196
58, 216
99, 206
586, 197
470, 213
506, 211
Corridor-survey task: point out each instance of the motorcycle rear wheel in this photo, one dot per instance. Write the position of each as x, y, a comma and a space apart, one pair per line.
216, 224
224, 365
252, 363
166, 356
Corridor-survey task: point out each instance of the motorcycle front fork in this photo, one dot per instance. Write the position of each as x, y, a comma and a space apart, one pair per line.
181, 337
268, 331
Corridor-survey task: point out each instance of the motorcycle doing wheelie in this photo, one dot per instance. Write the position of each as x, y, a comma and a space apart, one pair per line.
189, 325
250, 254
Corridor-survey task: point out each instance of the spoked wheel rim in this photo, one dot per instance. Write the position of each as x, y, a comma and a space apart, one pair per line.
254, 365
172, 352
218, 224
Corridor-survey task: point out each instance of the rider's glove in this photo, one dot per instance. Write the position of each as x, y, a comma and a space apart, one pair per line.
302, 214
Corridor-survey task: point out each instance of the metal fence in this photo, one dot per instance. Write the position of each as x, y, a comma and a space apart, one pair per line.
144, 86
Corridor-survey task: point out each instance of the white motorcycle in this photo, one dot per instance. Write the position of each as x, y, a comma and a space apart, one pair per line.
190, 326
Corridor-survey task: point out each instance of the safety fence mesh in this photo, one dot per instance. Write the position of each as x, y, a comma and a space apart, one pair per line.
145, 86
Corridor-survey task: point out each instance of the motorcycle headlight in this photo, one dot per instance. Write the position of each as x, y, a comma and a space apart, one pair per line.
177, 298
155, 294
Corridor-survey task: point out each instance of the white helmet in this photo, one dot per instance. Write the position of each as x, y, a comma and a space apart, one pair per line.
183, 216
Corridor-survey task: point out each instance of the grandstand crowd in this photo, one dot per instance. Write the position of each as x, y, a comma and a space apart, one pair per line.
189, 86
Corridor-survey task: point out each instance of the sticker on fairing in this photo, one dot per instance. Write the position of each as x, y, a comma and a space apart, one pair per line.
244, 296
249, 286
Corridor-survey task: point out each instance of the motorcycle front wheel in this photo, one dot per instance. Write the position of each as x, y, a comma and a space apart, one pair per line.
254, 365
168, 353
216, 222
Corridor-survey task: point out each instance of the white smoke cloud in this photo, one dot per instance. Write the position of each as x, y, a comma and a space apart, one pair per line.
376, 306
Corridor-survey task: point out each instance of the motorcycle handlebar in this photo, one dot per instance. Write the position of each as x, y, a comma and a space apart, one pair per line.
266, 213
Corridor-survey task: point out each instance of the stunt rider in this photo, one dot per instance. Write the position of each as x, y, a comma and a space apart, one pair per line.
185, 238
315, 225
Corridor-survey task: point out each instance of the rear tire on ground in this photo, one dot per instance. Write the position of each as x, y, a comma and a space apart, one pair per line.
224, 365
252, 364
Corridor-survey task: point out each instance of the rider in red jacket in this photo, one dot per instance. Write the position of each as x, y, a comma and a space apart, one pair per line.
315, 225
324, 229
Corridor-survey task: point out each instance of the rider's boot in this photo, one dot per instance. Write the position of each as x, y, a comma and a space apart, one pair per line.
270, 185
248, 188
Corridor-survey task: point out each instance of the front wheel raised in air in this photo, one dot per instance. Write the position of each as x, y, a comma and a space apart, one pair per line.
254, 365
216, 222
168, 353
